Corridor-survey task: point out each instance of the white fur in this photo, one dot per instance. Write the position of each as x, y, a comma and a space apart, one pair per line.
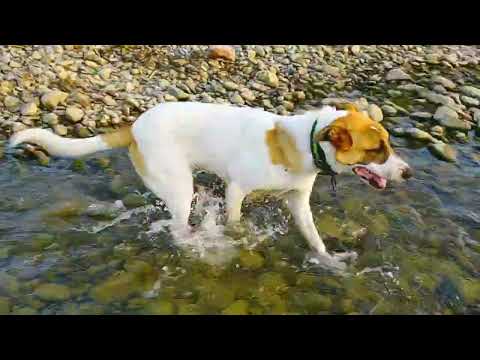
174, 138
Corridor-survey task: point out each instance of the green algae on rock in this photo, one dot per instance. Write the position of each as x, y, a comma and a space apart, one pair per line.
5, 305
250, 259
239, 307
53, 292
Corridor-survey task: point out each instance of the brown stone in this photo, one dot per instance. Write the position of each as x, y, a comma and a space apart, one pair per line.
222, 52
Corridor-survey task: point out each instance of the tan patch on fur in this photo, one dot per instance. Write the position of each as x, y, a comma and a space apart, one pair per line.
283, 150
137, 158
358, 139
119, 138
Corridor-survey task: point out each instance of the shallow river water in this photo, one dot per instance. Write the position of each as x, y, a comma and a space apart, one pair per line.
68, 246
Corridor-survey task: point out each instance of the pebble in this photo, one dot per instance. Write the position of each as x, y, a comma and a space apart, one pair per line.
222, 52
397, 74
467, 100
60, 130
103, 211
237, 99
437, 130
18, 127
375, 112
443, 151
51, 99
419, 134
446, 83
53, 292
355, 49
230, 85
470, 91
5, 305
74, 114
476, 116
268, 78
109, 101
449, 118
389, 110
248, 95
331, 70
421, 115
82, 131
29, 109
11, 103
105, 73
410, 87
82, 99
178, 93
134, 200
50, 118
436, 98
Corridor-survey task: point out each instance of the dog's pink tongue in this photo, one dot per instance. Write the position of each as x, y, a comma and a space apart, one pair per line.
381, 182
375, 180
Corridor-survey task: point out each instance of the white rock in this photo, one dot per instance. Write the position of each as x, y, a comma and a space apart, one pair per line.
74, 114
50, 118
449, 118
18, 126
375, 112
52, 98
29, 109
397, 74
60, 130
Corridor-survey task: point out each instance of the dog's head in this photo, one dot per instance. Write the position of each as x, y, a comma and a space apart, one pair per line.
360, 145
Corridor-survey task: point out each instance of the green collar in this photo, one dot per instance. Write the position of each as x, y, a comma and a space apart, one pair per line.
319, 158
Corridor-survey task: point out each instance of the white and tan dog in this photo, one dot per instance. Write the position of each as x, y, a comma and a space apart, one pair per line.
250, 149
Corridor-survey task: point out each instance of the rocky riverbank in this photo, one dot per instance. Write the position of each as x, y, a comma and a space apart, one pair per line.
430, 94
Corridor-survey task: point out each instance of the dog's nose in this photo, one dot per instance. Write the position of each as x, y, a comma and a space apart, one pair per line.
407, 173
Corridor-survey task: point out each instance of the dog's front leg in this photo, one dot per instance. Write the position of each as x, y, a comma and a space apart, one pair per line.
234, 196
299, 204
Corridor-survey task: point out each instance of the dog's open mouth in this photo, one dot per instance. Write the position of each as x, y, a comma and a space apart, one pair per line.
369, 176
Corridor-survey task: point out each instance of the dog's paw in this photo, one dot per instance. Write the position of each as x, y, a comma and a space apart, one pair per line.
347, 256
336, 262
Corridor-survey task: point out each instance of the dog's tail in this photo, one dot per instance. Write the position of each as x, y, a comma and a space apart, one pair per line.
65, 147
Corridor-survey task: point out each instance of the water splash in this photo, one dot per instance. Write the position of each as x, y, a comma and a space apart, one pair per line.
208, 241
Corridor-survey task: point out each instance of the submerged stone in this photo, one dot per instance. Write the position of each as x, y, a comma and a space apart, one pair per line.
160, 307
5, 305
103, 211
252, 260
116, 288
9, 284
471, 291
189, 309
449, 294
311, 302
215, 295
24, 311
239, 307
443, 151
53, 292
66, 209
134, 200
272, 282
306, 280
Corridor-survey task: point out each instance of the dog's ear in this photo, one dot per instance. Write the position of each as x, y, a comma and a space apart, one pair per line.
338, 136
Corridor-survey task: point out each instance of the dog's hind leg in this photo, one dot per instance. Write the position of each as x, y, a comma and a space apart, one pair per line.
171, 180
